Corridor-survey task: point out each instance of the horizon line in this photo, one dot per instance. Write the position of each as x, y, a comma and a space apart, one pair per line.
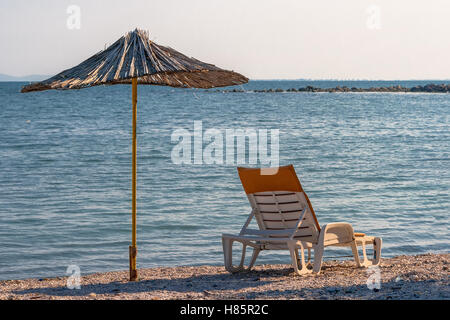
250, 79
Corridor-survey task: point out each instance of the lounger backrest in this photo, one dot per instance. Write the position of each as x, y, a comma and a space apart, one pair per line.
278, 200
279, 210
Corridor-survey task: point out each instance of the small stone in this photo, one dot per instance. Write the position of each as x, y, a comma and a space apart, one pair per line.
92, 295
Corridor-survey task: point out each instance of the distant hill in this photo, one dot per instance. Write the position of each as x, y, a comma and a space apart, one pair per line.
30, 78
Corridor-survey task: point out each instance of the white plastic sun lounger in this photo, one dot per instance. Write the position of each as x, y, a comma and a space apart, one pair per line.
287, 221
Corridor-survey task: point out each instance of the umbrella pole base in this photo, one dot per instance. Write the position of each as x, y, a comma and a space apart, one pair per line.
133, 271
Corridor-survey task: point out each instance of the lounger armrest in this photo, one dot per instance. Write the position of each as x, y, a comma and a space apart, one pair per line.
249, 219
336, 233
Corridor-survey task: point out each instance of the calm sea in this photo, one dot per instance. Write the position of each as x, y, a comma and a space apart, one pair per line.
377, 160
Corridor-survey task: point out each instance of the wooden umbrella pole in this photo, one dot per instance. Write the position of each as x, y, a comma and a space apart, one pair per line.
133, 247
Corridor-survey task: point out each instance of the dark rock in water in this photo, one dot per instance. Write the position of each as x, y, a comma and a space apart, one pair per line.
429, 88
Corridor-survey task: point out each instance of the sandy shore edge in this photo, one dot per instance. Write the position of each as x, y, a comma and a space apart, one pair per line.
403, 277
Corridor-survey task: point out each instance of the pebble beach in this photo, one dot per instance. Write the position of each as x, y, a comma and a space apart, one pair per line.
403, 277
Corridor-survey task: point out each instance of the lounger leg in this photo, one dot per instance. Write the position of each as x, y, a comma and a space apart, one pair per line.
299, 263
308, 263
228, 255
294, 257
302, 261
356, 254
255, 254
366, 262
244, 249
377, 243
296, 260
318, 254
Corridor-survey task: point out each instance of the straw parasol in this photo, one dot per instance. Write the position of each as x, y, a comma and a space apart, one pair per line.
135, 59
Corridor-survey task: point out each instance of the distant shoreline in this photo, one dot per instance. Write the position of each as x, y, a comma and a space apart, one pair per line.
403, 277
394, 88
428, 88
27, 78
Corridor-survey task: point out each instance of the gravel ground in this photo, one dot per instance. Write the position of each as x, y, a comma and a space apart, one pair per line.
403, 277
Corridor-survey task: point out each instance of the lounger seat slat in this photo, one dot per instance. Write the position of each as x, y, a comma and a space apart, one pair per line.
296, 237
273, 203
277, 193
295, 214
280, 224
283, 207
287, 224
262, 239
285, 216
282, 211
287, 220
284, 228
268, 199
271, 232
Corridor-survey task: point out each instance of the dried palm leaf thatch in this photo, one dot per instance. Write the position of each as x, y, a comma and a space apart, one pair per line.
135, 56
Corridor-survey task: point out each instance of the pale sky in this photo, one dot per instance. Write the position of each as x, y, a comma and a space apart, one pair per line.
262, 39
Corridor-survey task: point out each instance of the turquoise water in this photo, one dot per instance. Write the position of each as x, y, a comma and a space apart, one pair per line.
378, 160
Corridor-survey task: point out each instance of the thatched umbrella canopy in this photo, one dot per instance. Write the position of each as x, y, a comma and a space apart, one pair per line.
135, 56
135, 59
